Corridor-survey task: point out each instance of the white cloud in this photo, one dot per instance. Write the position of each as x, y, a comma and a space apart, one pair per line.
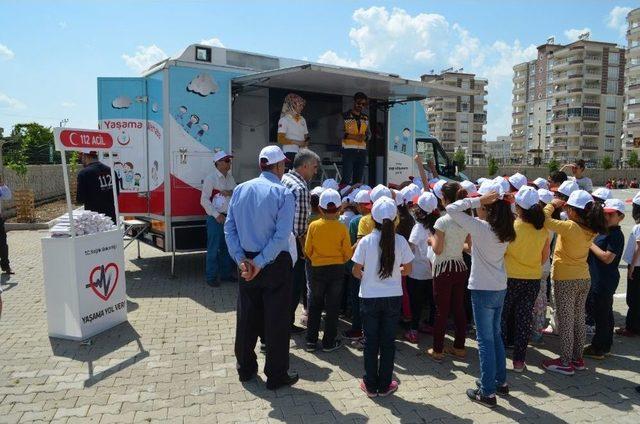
395, 41
67, 104
7, 102
203, 85
121, 102
144, 57
617, 19
215, 42
62, 24
573, 34
5, 52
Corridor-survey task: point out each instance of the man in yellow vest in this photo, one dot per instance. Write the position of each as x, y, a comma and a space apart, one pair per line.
354, 140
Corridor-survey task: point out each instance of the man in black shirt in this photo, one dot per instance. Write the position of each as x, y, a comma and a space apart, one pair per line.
95, 189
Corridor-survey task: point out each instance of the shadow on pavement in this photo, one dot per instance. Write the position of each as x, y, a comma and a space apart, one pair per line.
100, 345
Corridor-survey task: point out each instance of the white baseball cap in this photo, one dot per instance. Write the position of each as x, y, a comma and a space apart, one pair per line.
568, 187
271, 155
636, 199
579, 199
471, 188
427, 202
330, 199
410, 192
518, 180
541, 183
437, 188
362, 197
527, 197
398, 197
380, 191
365, 187
331, 183
614, 205
221, 155
384, 208
545, 195
504, 183
317, 191
482, 179
489, 186
602, 193
345, 189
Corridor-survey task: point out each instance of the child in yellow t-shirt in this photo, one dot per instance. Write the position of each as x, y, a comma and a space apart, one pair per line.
328, 247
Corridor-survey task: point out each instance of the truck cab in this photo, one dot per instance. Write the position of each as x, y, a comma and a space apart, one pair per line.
430, 149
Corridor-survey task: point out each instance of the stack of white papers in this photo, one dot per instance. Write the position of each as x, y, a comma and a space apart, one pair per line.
84, 222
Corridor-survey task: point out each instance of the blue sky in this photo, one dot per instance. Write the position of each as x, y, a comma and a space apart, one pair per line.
52, 52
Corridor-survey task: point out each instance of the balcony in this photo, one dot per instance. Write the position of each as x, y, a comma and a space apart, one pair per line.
592, 89
633, 106
591, 118
560, 106
632, 69
589, 146
634, 87
575, 90
593, 60
591, 104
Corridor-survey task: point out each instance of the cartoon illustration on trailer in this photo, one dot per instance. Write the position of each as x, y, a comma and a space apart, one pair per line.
181, 115
128, 176
203, 85
396, 143
119, 171
136, 181
121, 102
190, 123
406, 136
154, 173
123, 138
203, 129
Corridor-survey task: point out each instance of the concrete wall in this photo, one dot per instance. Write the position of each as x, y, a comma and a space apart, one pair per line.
598, 176
46, 181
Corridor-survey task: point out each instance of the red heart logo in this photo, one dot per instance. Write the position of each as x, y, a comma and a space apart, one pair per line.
102, 285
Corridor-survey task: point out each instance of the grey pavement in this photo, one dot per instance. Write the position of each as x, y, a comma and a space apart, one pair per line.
173, 362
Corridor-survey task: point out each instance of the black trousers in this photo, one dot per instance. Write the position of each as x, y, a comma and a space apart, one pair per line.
4, 247
299, 283
633, 302
325, 293
260, 309
603, 318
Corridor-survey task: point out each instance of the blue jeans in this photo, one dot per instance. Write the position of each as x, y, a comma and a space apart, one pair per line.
354, 288
219, 263
487, 313
353, 162
380, 317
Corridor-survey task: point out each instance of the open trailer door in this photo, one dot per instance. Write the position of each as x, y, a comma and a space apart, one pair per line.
122, 110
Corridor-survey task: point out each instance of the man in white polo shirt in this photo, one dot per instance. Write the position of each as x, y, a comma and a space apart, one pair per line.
216, 192
292, 127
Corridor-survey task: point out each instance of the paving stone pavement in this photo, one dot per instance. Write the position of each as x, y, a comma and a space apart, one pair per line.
173, 362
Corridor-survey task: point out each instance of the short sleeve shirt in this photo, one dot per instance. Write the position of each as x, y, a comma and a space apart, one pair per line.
454, 238
421, 265
605, 277
630, 249
294, 130
367, 254
584, 183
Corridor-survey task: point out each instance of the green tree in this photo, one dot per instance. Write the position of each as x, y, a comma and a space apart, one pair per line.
607, 163
493, 167
460, 159
553, 165
32, 143
633, 159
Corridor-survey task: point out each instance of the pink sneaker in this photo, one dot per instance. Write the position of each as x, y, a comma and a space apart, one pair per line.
363, 387
556, 365
392, 388
411, 336
519, 366
579, 365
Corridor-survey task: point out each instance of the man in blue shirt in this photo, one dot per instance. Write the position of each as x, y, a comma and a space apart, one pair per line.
257, 230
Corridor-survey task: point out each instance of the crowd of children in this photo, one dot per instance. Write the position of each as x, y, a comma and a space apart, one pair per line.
509, 249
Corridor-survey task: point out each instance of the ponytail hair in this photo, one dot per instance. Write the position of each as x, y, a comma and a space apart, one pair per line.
428, 220
387, 248
500, 218
534, 216
592, 217
635, 213
450, 191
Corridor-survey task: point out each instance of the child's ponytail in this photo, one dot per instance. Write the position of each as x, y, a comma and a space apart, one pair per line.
592, 217
387, 248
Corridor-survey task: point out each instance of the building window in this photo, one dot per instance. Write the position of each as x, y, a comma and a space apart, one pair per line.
614, 59
611, 115
532, 70
612, 86
590, 113
608, 143
611, 101
464, 126
465, 84
549, 103
610, 129
614, 72
464, 107
464, 138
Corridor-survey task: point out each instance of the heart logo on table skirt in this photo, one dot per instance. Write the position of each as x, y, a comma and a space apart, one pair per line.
104, 279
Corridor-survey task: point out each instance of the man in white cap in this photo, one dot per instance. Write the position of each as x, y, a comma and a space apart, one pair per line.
216, 192
258, 227
305, 167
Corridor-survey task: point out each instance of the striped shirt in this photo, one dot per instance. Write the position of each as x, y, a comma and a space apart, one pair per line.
298, 186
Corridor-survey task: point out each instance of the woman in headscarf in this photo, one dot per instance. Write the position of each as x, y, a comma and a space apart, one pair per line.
292, 128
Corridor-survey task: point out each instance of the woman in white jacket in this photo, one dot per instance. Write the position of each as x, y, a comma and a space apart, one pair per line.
491, 233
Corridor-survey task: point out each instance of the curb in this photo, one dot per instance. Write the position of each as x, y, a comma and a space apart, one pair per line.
17, 226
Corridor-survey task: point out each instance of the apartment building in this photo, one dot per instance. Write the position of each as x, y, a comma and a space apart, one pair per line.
459, 122
500, 150
631, 127
568, 103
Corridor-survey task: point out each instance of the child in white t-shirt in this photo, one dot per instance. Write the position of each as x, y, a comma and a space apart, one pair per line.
380, 260
420, 280
632, 257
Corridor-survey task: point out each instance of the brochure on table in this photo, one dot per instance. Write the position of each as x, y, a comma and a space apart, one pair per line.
84, 276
